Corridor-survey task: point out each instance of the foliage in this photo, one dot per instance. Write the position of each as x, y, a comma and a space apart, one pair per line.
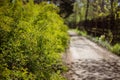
116, 49
81, 32
102, 38
32, 36
78, 12
96, 9
56, 76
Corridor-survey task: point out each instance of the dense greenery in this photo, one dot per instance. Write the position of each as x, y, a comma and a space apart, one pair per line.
31, 38
90, 9
64, 5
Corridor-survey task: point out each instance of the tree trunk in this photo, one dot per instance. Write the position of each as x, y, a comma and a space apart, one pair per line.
86, 14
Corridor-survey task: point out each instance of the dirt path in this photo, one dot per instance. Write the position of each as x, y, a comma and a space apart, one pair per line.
88, 61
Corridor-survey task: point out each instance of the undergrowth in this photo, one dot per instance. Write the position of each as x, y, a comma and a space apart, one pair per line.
32, 36
116, 49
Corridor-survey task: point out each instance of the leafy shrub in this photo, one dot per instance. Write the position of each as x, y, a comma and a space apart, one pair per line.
32, 37
102, 38
116, 49
81, 32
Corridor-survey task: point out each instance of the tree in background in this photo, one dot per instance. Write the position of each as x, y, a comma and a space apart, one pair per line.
64, 5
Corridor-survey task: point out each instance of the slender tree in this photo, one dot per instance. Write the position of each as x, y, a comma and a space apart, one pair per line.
86, 13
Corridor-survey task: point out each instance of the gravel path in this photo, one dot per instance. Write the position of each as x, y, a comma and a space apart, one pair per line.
88, 61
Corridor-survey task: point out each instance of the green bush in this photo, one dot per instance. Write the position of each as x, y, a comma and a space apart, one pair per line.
32, 36
81, 32
116, 49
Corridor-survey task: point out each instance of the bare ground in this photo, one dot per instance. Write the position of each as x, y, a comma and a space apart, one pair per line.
88, 61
